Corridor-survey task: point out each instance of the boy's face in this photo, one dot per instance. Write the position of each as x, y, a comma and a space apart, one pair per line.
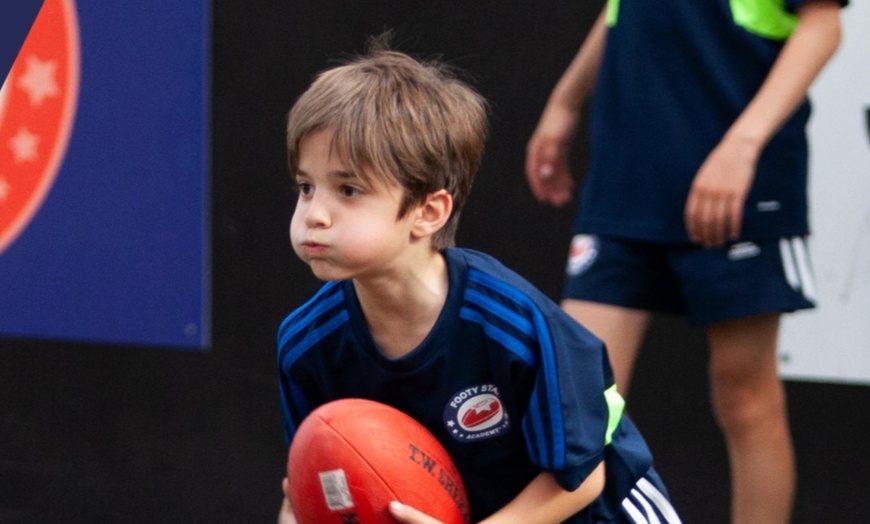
344, 227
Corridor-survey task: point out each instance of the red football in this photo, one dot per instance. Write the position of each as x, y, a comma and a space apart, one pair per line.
351, 457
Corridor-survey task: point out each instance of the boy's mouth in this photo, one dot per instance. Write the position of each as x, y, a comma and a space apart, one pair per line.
313, 248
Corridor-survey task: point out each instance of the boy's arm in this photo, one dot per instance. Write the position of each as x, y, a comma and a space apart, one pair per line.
543, 500
285, 514
714, 208
547, 152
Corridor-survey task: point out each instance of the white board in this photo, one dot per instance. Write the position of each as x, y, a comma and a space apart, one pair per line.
832, 342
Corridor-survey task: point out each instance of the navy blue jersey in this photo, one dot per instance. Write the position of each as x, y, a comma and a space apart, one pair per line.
674, 76
506, 381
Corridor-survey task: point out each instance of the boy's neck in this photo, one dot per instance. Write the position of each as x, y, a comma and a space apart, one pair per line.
402, 309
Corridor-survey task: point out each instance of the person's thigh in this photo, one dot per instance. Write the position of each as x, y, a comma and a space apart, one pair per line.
611, 286
621, 329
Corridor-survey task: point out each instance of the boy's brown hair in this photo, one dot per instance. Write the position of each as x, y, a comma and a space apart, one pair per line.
395, 118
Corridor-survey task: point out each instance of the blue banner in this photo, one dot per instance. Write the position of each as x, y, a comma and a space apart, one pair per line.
104, 204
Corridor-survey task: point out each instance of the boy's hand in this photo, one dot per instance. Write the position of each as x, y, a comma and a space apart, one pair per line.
401, 512
409, 515
286, 516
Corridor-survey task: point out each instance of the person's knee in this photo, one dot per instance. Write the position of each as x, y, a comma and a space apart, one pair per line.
745, 389
741, 405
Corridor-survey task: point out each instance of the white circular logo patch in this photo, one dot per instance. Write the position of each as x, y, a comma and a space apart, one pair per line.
584, 249
476, 413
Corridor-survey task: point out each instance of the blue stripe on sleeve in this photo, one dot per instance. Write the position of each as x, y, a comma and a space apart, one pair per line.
554, 401
291, 326
313, 337
548, 361
327, 288
511, 317
511, 343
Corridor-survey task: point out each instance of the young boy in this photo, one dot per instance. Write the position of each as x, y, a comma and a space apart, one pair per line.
383, 151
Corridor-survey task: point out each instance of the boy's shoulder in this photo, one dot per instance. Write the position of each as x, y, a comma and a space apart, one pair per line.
327, 305
485, 269
488, 275
484, 263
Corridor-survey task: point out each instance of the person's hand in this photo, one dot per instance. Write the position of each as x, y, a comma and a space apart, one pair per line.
286, 515
547, 156
714, 208
408, 515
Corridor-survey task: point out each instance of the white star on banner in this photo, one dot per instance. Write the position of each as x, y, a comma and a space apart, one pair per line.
23, 146
38, 80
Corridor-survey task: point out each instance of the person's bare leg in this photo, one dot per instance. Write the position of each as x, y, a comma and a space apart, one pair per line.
749, 403
621, 329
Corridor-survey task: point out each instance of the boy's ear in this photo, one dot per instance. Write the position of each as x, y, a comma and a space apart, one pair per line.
433, 213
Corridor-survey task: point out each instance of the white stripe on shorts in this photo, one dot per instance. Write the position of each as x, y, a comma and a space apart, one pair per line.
653, 518
788, 264
658, 500
796, 265
653, 503
808, 284
635, 514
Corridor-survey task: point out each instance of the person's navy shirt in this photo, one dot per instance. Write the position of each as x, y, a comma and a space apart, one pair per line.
675, 75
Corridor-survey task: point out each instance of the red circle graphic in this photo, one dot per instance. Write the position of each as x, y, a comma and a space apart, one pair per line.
37, 109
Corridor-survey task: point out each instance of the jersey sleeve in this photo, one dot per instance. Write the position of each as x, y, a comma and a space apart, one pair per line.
293, 408
574, 406
302, 331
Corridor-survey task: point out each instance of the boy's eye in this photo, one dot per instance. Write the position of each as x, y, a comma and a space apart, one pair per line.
350, 191
303, 188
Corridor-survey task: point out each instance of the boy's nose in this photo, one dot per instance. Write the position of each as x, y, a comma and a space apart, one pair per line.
316, 213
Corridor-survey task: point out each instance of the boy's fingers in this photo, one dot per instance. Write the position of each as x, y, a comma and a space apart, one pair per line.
409, 515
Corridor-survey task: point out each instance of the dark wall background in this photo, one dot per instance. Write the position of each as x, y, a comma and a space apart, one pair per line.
129, 434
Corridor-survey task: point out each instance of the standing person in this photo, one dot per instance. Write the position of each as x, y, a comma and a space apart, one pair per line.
383, 151
695, 200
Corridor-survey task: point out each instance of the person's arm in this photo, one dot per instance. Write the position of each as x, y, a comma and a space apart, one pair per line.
548, 149
542, 501
714, 208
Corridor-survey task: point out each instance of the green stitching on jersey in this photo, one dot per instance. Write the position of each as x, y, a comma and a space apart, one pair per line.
612, 12
615, 406
766, 18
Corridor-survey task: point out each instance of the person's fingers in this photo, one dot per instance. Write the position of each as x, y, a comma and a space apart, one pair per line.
408, 515
533, 169
735, 223
714, 222
690, 217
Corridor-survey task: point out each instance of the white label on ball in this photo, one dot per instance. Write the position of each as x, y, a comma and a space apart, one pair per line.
335, 490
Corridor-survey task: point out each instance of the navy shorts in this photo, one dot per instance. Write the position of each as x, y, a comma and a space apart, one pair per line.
739, 280
648, 502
